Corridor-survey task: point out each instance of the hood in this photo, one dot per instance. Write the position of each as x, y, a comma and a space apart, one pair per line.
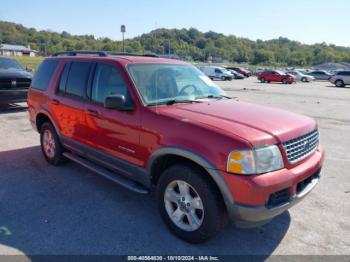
14, 73
254, 123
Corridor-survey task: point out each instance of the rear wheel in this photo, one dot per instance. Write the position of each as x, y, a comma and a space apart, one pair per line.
189, 204
339, 83
223, 78
285, 81
50, 144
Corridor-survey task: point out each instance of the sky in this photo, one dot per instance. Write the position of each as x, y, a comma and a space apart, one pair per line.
307, 21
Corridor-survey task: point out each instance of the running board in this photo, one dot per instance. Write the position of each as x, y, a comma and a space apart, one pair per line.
125, 182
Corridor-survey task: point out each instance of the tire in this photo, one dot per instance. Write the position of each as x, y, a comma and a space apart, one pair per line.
210, 215
50, 145
223, 78
262, 80
304, 79
285, 81
339, 83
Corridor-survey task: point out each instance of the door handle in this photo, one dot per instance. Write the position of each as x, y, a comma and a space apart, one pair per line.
55, 102
92, 112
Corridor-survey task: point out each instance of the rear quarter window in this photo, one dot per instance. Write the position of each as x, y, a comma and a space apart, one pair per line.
44, 74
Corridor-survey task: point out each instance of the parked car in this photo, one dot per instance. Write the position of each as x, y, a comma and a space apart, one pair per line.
217, 73
240, 70
301, 77
320, 75
151, 123
14, 81
236, 75
341, 78
275, 76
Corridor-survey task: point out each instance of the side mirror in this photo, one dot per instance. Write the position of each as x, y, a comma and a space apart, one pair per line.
117, 102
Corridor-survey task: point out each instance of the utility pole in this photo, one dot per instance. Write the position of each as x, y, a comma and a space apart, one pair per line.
123, 30
169, 48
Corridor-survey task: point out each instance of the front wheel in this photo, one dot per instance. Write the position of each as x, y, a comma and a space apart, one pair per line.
304, 79
285, 81
262, 80
189, 204
51, 145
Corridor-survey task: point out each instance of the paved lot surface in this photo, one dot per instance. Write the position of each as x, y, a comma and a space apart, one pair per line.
69, 210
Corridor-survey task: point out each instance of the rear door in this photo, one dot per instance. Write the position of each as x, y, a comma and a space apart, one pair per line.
68, 103
347, 77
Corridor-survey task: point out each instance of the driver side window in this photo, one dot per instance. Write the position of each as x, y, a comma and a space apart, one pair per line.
108, 81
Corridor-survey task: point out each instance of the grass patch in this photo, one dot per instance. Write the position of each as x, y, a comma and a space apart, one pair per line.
29, 61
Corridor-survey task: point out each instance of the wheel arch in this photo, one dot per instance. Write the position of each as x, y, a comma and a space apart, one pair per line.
43, 117
167, 156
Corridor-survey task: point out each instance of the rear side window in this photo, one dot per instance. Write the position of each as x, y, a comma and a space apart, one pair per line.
78, 79
63, 80
344, 73
43, 76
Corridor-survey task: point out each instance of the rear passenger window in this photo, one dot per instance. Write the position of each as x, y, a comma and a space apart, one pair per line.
78, 79
108, 81
63, 80
43, 76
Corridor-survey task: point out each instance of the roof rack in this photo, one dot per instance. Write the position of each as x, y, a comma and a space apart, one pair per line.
131, 54
100, 53
75, 53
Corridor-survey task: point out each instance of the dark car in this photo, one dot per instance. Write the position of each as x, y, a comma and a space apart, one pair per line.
320, 75
236, 75
14, 81
240, 70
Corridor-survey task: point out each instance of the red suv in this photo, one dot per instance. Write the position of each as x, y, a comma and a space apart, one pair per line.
151, 123
275, 76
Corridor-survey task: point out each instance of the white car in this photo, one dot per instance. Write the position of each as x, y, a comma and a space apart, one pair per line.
299, 76
214, 72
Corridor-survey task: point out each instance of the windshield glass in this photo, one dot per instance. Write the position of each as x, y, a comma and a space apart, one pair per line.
6, 63
161, 83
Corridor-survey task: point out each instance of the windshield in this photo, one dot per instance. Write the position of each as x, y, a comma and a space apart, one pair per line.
161, 83
6, 63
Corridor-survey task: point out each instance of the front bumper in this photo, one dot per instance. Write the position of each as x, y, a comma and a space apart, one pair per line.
252, 195
13, 96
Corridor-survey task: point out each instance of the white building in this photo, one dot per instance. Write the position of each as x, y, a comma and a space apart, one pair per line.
16, 50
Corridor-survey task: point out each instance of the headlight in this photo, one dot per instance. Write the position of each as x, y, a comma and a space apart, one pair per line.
256, 161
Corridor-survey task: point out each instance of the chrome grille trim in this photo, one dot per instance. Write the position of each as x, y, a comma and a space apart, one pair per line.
298, 148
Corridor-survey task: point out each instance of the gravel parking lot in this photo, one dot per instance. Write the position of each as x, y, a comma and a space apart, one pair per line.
70, 210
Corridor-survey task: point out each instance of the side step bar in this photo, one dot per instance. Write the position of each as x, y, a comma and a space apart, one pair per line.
125, 182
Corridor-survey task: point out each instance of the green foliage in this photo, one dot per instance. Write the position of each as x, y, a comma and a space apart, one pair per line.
185, 43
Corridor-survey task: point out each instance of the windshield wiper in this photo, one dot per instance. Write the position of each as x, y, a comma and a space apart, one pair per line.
174, 101
214, 97
178, 101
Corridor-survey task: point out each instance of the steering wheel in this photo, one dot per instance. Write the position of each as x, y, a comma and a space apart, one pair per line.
195, 90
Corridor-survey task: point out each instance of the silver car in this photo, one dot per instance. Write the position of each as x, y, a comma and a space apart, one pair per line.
320, 75
341, 78
299, 76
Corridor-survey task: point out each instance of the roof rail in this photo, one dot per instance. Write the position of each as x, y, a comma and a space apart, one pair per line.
101, 53
131, 54
75, 53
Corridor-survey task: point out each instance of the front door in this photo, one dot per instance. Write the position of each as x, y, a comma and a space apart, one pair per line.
115, 133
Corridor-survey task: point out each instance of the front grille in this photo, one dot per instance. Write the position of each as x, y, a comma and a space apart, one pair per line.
299, 148
278, 198
14, 83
